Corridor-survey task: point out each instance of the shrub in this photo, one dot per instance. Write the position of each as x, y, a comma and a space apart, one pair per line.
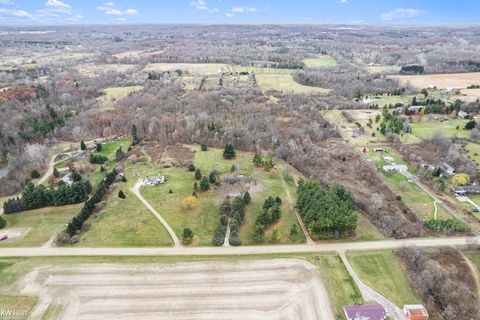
99, 147
204, 147
448, 225
257, 160
191, 167
204, 184
97, 159
56, 173
82, 145
189, 202
258, 233
246, 198
121, 195
198, 174
229, 152
124, 179
76, 176
294, 232
212, 178
219, 235
234, 239
3, 223
460, 179
275, 235
187, 235
35, 174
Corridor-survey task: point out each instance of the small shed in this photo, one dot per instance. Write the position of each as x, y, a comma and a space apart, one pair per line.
365, 312
415, 312
153, 181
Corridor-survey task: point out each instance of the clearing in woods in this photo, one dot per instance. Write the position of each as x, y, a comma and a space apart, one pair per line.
320, 61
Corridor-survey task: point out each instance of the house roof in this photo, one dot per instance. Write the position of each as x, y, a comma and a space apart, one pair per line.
368, 311
415, 309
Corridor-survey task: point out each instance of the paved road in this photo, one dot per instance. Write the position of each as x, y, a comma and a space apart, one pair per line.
136, 191
241, 250
371, 295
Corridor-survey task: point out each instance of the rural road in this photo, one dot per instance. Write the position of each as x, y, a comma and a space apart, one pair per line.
136, 191
242, 250
371, 295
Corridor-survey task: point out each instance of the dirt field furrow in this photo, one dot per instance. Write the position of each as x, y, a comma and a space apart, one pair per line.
260, 289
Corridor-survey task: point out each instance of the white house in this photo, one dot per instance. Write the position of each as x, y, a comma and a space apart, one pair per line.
395, 168
153, 181
68, 179
462, 114
448, 169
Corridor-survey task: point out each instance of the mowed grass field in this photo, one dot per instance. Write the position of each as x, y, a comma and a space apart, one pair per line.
425, 128
382, 271
126, 222
204, 217
340, 285
38, 226
379, 68
116, 93
350, 131
91, 69
285, 83
472, 151
320, 61
194, 68
456, 80
413, 197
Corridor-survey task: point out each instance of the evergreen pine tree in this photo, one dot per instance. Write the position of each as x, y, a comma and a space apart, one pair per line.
82, 145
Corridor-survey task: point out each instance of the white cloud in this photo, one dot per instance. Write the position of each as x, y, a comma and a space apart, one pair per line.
6, 2
230, 15
108, 9
400, 13
110, 4
130, 11
15, 13
239, 9
57, 4
343, 1
202, 5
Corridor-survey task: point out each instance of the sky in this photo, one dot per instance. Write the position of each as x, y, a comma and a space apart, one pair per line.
50, 12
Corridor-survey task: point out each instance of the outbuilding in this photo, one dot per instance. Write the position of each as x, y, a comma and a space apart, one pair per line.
415, 312
365, 312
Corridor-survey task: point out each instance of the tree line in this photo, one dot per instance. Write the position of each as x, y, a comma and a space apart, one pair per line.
40, 196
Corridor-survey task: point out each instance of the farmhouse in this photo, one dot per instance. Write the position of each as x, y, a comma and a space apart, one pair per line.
395, 168
415, 108
68, 179
462, 114
415, 312
365, 312
447, 169
153, 181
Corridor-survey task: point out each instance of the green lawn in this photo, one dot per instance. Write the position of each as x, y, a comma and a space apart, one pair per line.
340, 286
382, 271
473, 152
285, 83
204, 217
40, 225
320, 61
126, 222
413, 197
424, 128
109, 149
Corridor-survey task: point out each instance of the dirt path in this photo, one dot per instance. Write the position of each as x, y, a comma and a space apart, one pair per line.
241, 250
474, 271
371, 295
136, 191
297, 214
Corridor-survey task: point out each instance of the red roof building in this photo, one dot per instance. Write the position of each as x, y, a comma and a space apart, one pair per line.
415, 312
365, 312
